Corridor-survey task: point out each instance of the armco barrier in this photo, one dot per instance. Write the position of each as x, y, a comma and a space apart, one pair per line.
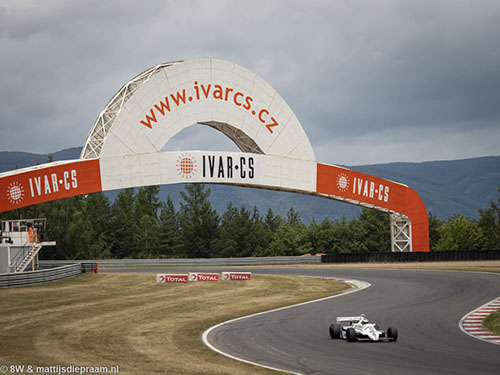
189, 262
8, 280
433, 256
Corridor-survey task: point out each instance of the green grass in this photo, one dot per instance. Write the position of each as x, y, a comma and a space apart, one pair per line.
131, 321
492, 323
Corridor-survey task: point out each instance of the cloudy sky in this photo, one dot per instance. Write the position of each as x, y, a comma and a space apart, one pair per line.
371, 81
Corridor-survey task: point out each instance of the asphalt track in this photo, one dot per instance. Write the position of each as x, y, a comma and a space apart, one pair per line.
425, 307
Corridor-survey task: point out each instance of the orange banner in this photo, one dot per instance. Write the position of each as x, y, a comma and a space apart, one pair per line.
362, 187
49, 183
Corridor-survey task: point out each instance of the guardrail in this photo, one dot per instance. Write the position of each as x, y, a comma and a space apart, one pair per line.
433, 256
8, 280
389, 257
189, 262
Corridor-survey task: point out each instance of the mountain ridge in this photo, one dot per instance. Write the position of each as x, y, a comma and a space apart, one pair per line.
447, 187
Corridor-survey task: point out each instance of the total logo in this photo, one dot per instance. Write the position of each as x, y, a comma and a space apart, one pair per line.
202, 276
195, 276
171, 278
236, 276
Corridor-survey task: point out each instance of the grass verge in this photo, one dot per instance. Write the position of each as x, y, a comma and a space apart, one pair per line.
492, 323
131, 321
471, 266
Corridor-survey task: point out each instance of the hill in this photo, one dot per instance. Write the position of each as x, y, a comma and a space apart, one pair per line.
448, 188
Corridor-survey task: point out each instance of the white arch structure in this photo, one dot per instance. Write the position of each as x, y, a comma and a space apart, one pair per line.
124, 148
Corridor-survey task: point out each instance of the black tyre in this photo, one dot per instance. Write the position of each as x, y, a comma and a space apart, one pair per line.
351, 335
392, 333
335, 331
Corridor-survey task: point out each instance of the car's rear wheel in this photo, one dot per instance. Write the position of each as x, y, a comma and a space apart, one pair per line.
351, 335
392, 333
335, 331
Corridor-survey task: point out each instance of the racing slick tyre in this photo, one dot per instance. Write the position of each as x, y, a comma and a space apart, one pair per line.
335, 331
392, 334
351, 335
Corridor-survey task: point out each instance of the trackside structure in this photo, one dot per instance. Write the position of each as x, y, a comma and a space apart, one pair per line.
124, 148
20, 244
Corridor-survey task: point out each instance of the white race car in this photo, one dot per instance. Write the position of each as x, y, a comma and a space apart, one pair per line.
358, 327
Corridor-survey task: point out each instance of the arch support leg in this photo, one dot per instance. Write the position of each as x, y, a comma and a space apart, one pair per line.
400, 233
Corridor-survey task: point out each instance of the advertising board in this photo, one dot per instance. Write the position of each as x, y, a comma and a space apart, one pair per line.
171, 278
236, 276
202, 276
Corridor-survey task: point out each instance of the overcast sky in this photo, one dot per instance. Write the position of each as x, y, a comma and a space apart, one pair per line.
371, 81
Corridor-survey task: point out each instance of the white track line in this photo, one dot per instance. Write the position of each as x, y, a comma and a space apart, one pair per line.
359, 285
472, 322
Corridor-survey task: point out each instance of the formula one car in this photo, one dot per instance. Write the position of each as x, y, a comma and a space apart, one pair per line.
358, 327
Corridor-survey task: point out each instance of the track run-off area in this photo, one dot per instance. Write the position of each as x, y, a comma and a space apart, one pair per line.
426, 306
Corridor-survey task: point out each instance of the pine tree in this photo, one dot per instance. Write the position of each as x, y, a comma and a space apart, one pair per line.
146, 206
146, 202
293, 217
123, 226
199, 222
169, 245
237, 237
374, 231
434, 224
489, 223
258, 236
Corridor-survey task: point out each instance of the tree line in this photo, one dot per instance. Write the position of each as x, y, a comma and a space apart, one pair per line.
138, 225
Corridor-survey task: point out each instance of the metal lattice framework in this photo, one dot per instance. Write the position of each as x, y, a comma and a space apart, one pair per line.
242, 141
400, 233
104, 122
97, 135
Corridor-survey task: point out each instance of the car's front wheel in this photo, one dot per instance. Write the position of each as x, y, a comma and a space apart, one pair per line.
392, 333
351, 335
335, 330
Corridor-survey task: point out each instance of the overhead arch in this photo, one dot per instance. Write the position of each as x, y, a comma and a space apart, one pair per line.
160, 102
123, 148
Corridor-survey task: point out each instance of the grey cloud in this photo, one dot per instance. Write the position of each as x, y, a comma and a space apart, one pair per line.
351, 71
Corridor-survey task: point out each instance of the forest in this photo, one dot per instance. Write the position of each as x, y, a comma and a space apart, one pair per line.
138, 225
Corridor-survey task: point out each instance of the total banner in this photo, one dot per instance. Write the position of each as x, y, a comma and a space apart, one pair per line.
171, 278
199, 276
202, 276
236, 276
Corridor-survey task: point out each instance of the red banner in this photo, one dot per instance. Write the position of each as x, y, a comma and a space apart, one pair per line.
171, 278
49, 183
236, 276
357, 187
197, 276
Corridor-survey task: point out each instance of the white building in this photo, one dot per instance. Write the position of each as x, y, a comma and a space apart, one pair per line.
20, 244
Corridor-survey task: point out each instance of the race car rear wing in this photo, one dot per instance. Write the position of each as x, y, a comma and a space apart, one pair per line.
348, 319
